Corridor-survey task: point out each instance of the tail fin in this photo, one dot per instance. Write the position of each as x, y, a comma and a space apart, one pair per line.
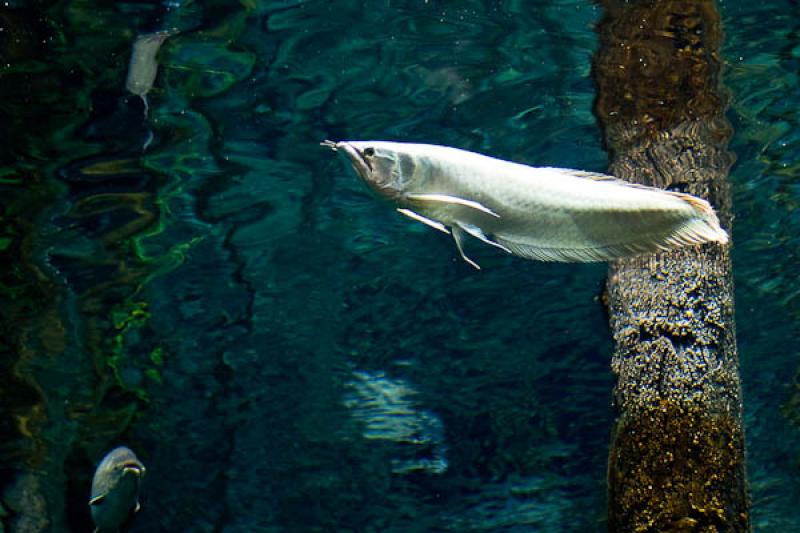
705, 212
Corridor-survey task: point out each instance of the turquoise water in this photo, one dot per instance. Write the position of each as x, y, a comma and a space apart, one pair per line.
212, 288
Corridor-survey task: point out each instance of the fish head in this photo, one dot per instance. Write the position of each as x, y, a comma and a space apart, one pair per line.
122, 461
119, 464
386, 167
115, 488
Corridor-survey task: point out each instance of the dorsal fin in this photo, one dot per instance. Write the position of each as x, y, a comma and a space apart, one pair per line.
599, 176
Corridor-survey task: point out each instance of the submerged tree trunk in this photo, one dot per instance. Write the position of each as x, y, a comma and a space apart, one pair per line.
676, 461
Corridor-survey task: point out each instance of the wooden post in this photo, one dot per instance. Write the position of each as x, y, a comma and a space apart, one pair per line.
676, 461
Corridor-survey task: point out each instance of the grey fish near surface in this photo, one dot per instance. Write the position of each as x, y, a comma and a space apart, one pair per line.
115, 489
143, 67
541, 213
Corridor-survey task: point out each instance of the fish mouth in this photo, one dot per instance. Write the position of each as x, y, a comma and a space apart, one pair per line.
357, 159
133, 468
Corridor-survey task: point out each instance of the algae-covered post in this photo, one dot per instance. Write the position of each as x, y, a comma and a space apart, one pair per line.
676, 461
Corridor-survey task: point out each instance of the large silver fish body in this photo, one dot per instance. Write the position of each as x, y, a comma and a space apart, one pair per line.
115, 489
542, 213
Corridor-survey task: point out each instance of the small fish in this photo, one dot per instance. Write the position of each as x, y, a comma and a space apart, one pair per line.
115, 489
143, 67
541, 213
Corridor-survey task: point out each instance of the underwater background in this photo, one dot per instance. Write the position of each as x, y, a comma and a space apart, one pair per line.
204, 283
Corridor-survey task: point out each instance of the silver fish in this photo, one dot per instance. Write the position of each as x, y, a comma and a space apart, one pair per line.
143, 67
115, 489
541, 213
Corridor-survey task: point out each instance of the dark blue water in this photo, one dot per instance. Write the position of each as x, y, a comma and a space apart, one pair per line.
283, 351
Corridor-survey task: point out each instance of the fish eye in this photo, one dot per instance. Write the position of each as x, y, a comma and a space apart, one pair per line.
369, 152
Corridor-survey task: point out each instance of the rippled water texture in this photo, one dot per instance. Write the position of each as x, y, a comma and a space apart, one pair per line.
206, 285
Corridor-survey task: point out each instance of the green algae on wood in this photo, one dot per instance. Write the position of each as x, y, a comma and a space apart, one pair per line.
672, 468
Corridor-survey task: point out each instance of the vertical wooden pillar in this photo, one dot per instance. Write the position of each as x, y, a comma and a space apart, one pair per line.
676, 461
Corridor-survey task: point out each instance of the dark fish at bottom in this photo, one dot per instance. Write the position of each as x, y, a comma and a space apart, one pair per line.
115, 489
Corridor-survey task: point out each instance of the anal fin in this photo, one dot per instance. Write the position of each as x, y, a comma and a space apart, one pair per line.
478, 233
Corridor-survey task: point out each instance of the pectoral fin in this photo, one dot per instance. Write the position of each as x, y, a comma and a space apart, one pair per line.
97, 500
446, 199
478, 233
458, 236
427, 221
138, 507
